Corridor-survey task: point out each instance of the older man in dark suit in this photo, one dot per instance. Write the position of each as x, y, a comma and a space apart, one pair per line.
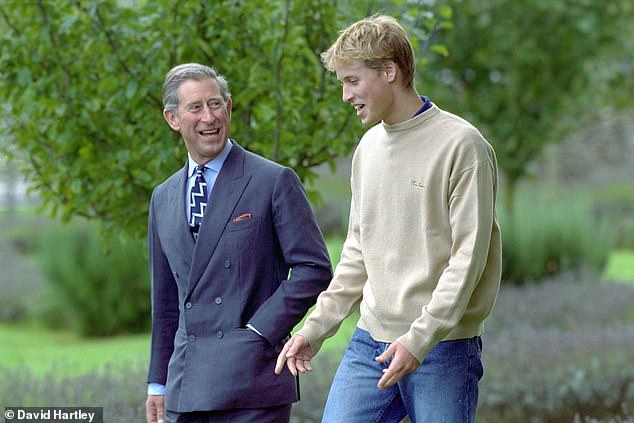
236, 259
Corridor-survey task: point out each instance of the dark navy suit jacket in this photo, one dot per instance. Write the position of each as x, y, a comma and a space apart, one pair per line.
260, 259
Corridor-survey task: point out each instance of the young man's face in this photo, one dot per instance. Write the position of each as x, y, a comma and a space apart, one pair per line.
368, 90
203, 118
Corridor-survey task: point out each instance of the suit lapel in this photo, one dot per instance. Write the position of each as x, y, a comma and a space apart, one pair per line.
177, 201
227, 190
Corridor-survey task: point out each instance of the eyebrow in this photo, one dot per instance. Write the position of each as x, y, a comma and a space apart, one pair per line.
216, 98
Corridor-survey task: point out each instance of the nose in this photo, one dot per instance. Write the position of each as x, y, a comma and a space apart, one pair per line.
346, 95
207, 114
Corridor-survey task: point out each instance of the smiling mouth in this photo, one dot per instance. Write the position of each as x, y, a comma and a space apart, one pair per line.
359, 107
210, 132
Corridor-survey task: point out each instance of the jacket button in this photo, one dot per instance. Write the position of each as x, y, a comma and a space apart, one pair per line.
175, 275
218, 300
191, 338
227, 264
188, 305
219, 334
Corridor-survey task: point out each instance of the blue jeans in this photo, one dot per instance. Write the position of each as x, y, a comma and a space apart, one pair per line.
444, 388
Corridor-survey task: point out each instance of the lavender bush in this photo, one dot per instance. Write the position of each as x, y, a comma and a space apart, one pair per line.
559, 350
119, 390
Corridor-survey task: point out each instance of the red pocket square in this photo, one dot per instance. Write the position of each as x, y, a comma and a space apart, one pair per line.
243, 216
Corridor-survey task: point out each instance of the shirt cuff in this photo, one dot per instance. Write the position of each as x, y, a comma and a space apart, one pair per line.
155, 389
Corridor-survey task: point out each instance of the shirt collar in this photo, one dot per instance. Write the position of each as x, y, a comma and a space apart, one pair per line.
426, 105
214, 164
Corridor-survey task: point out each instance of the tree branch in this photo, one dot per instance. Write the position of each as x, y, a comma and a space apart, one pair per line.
111, 41
5, 16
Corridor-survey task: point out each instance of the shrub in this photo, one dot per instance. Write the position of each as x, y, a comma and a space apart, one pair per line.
559, 350
616, 202
120, 390
20, 286
546, 234
20, 280
100, 288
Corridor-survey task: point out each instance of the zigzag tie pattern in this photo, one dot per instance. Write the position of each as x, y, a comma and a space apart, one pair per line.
197, 201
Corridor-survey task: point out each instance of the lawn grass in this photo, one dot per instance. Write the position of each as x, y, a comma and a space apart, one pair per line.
41, 350
620, 266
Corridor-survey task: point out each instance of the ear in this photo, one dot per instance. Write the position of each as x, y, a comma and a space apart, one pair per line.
171, 120
391, 70
229, 103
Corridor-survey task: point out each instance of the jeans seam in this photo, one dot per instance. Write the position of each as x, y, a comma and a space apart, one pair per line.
468, 392
379, 415
473, 357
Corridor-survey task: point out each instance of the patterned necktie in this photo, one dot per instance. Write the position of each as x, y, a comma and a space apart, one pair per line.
197, 201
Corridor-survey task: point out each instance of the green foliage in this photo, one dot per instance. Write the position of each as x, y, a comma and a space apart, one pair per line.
81, 90
527, 72
544, 234
100, 289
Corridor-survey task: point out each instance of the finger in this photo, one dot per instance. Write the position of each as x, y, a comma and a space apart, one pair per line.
388, 379
281, 359
304, 366
292, 365
150, 413
150, 410
387, 354
299, 363
160, 410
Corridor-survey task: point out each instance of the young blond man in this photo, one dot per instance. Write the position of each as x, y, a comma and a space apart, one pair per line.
422, 257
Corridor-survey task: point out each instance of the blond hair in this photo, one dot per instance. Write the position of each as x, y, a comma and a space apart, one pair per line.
375, 41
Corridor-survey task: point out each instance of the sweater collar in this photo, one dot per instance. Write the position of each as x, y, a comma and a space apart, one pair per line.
428, 112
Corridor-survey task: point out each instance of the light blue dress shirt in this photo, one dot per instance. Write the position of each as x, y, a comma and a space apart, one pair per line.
211, 173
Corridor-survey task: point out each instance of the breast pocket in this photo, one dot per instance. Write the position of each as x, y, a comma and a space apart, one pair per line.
242, 233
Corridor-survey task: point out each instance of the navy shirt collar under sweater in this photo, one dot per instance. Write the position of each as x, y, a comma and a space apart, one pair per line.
426, 105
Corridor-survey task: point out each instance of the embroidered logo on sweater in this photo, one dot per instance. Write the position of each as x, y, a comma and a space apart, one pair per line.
417, 184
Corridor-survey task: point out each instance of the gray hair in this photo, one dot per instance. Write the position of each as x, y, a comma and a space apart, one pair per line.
180, 73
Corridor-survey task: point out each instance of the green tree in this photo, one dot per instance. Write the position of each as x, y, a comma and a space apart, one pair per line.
526, 72
82, 88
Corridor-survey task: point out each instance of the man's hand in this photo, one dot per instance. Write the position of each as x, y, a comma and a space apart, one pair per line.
155, 408
402, 363
296, 354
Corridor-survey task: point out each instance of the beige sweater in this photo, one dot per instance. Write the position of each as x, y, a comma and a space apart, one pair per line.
423, 253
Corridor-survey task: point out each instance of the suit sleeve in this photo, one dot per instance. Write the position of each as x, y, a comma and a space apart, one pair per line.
164, 305
304, 250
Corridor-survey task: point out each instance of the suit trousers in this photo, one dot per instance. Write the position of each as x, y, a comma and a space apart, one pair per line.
278, 414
